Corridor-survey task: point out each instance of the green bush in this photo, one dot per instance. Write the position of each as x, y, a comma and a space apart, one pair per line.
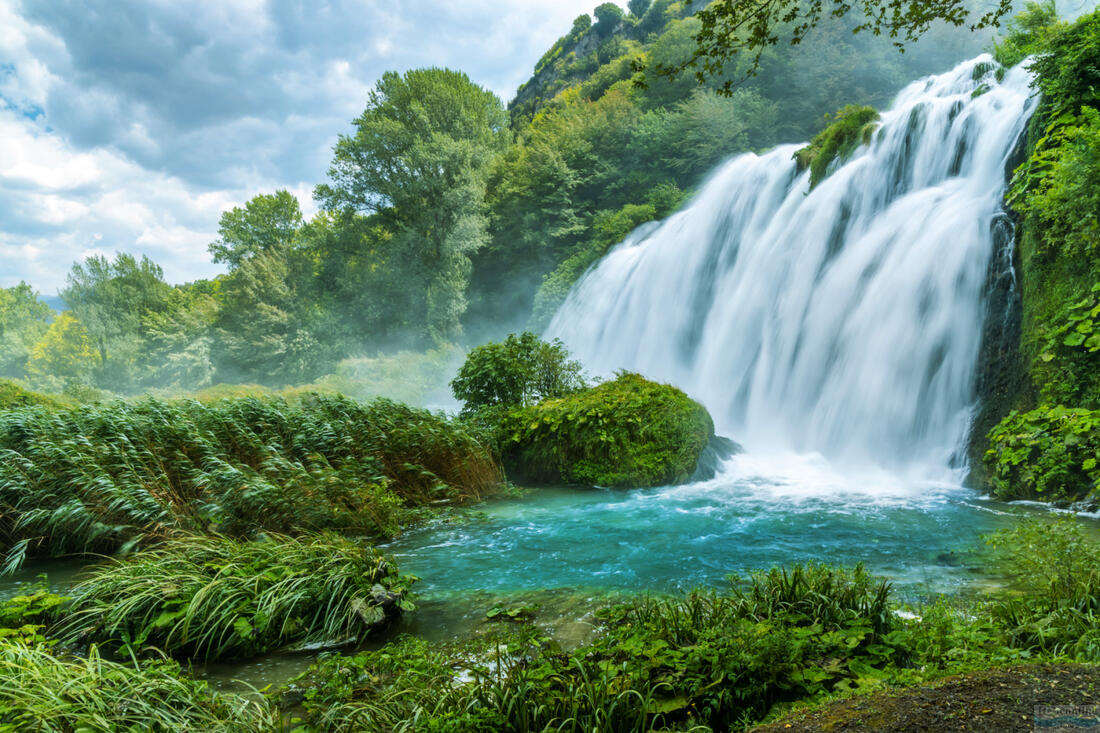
213, 597
12, 395
850, 127
1055, 569
1048, 453
628, 432
100, 478
521, 370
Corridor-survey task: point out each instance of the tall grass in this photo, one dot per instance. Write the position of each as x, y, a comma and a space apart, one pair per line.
214, 597
44, 692
108, 477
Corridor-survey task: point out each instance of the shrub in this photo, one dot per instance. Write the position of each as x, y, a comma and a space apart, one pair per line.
629, 432
214, 597
13, 395
1049, 453
521, 370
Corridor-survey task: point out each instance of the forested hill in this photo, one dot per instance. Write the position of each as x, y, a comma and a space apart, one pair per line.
448, 218
600, 148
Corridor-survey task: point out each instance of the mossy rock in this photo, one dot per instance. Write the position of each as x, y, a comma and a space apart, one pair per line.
851, 127
626, 433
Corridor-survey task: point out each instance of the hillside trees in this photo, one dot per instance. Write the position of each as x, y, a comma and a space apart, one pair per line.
419, 157
23, 321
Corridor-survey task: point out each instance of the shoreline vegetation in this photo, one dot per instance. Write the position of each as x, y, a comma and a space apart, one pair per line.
242, 521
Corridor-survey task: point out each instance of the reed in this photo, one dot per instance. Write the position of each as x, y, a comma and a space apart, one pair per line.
215, 597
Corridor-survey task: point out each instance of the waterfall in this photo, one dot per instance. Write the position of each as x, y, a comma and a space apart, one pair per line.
844, 321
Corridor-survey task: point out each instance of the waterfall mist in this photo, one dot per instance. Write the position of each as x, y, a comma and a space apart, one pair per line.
843, 321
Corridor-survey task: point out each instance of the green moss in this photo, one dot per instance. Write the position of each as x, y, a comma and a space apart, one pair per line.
627, 433
851, 127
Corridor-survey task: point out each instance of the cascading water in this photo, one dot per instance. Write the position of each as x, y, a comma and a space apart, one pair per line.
833, 332
843, 321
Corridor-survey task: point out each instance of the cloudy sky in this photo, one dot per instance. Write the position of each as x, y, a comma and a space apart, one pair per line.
132, 124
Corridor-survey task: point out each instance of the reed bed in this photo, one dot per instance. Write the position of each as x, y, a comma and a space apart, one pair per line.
111, 477
216, 597
45, 692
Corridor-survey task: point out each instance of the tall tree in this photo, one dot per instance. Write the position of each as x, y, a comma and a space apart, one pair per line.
110, 298
419, 156
23, 321
268, 221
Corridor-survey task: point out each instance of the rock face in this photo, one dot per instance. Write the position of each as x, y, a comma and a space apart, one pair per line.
626, 433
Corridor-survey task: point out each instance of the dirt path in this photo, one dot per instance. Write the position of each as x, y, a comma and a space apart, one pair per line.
998, 700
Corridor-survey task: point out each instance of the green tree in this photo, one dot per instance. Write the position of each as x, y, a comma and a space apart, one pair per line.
419, 155
608, 18
268, 221
180, 337
110, 298
24, 319
521, 370
638, 7
65, 351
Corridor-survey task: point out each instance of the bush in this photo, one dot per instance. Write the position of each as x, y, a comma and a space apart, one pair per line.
213, 597
100, 478
1049, 453
521, 370
851, 126
13, 395
629, 432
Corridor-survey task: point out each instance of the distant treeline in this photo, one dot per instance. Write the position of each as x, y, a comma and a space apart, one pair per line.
447, 218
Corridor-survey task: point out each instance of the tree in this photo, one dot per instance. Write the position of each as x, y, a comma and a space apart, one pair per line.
267, 222
419, 157
521, 370
731, 27
110, 298
638, 7
66, 350
608, 18
24, 319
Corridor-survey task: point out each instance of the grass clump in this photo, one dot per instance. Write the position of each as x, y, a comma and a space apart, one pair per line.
214, 597
1049, 453
850, 127
629, 432
43, 691
108, 477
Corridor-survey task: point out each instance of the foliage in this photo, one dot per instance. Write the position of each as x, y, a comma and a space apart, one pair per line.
731, 27
628, 432
65, 350
850, 127
710, 659
1056, 569
97, 479
44, 691
1028, 33
266, 223
214, 597
24, 319
1048, 453
419, 155
519, 371
14, 395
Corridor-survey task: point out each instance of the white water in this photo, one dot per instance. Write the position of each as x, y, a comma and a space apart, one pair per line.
845, 322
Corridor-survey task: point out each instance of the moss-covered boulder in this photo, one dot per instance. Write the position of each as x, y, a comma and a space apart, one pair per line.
626, 433
851, 126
